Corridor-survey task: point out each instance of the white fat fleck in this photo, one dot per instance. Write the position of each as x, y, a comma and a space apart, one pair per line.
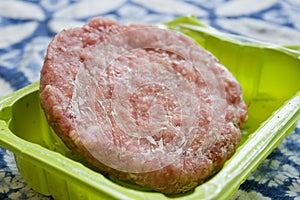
81, 101
209, 119
128, 68
94, 70
161, 144
151, 140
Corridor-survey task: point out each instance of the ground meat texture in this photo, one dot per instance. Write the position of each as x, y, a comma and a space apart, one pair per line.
145, 104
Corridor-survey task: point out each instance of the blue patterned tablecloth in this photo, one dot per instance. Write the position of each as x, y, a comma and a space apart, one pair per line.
26, 28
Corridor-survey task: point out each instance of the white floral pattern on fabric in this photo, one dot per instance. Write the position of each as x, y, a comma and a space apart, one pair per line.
21, 10
294, 189
172, 7
243, 7
261, 30
28, 26
265, 175
5, 88
243, 195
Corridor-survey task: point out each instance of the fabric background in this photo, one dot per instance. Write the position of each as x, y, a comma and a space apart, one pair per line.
26, 28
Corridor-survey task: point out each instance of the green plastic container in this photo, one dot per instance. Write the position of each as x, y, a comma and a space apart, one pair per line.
269, 75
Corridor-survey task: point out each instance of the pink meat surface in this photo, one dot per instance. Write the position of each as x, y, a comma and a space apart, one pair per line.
145, 104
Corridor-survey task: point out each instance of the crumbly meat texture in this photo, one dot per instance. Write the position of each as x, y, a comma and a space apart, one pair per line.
144, 104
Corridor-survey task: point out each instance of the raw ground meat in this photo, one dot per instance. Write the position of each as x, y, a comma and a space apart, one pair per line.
145, 104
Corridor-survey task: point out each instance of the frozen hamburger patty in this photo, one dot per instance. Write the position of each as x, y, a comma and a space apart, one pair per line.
145, 104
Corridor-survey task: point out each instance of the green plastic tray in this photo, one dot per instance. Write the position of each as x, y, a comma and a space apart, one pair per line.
269, 75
